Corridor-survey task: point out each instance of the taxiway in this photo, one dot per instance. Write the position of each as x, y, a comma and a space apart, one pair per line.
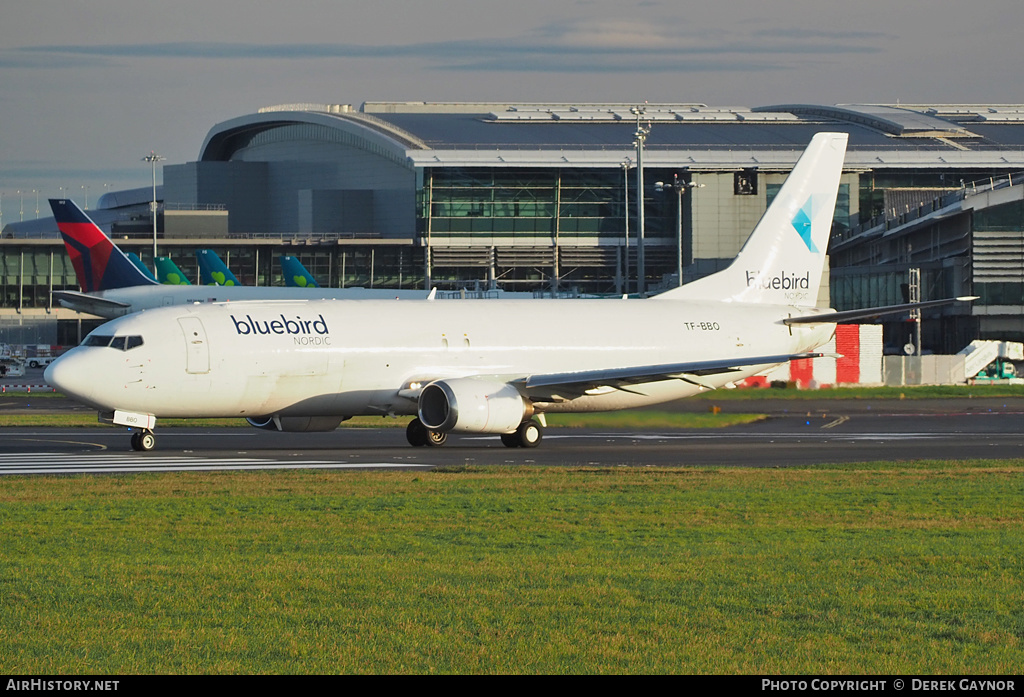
794, 434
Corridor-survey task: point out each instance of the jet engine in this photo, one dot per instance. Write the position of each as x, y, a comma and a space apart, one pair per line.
472, 405
297, 423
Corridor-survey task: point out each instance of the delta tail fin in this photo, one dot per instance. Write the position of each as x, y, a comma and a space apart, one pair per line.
169, 274
213, 271
782, 261
295, 274
99, 264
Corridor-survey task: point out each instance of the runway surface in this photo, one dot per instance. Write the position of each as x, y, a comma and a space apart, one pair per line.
801, 433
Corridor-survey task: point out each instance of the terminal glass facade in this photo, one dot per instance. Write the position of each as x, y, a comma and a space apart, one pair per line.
28, 273
461, 205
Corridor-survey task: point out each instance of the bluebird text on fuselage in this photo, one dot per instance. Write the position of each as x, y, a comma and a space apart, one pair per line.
281, 326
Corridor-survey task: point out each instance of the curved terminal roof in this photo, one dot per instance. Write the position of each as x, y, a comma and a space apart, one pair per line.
423, 134
339, 124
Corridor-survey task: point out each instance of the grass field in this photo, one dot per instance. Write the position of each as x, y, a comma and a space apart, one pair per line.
909, 568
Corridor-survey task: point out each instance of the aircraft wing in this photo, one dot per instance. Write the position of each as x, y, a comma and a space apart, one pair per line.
568, 385
83, 302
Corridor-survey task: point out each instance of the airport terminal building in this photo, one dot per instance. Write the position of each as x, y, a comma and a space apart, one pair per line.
549, 198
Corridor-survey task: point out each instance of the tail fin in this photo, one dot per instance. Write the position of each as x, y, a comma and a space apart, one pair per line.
168, 273
99, 264
295, 274
139, 265
213, 271
783, 259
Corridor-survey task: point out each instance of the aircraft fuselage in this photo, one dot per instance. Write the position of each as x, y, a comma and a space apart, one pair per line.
339, 357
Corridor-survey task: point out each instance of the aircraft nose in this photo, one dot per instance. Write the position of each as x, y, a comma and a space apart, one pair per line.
70, 376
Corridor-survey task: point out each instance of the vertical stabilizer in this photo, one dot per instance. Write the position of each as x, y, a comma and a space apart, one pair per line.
295, 274
169, 274
213, 271
783, 259
139, 265
99, 264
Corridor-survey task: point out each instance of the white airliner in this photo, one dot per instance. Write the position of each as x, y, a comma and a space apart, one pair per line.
112, 286
487, 366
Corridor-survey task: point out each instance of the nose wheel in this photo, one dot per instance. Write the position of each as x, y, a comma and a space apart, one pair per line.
143, 441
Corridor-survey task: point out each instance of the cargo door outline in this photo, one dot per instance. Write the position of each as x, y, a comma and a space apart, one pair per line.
197, 350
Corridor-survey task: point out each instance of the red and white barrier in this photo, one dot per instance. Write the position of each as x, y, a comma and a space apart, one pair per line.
860, 346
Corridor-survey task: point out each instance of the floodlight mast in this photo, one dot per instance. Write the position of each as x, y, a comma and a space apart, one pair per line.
153, 158
625, 164
679, 186
641, 137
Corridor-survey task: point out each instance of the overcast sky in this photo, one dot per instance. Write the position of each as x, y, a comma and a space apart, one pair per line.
89, 87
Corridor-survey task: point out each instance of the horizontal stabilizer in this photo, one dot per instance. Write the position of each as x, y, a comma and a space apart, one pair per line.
871, 312
91, 304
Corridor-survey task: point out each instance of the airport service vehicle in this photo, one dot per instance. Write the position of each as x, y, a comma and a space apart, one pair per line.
475, 366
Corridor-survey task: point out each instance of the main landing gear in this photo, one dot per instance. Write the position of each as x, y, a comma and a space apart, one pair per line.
419, 435
528, 435
143, 441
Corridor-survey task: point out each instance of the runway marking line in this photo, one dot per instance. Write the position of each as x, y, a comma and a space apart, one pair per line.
836, 422
98, 446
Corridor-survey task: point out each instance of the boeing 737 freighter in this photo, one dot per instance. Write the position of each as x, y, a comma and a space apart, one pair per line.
487, 366
112, 286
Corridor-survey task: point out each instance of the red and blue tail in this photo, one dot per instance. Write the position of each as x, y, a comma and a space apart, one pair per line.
99, 264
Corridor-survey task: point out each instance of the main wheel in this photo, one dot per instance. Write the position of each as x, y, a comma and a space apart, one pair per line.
416, 433
510, 440
436, 438
529, 433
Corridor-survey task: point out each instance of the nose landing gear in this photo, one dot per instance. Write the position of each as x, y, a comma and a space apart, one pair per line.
143, 441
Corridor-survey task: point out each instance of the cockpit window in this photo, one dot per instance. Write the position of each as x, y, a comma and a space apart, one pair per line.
121, 343
97, 340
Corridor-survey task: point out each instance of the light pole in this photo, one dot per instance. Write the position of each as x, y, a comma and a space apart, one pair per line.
21, 209
36, 192
86, 189
641, 137
153, 158
679, 186
625, 164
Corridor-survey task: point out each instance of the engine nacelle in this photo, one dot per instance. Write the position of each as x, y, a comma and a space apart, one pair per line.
472, 405
297, 423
